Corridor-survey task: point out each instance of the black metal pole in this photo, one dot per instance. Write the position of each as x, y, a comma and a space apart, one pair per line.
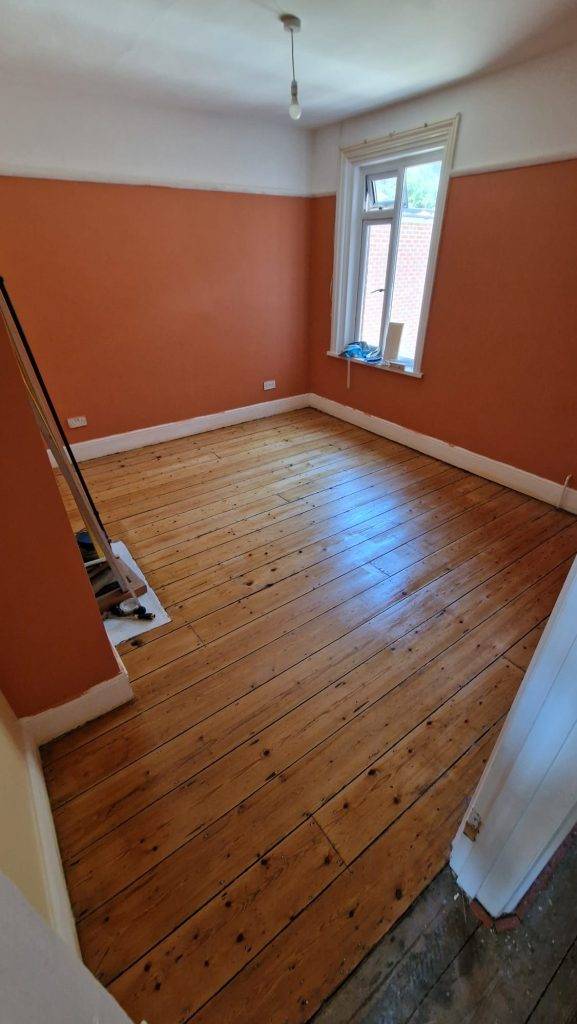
50, 404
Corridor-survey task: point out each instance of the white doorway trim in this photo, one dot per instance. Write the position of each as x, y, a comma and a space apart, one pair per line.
526, 800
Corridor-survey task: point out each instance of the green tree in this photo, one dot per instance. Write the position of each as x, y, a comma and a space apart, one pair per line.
421, 186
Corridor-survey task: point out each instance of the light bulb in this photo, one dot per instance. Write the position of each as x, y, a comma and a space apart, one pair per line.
295, 110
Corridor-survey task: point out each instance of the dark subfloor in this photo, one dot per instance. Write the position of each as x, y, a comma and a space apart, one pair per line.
440, 966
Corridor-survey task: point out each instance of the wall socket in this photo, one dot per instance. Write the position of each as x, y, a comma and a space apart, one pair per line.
269, 385
77, 421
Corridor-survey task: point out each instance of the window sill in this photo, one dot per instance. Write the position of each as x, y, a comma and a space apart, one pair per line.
415, 374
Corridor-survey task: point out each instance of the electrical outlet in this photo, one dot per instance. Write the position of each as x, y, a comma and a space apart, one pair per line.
77, 421
269, 385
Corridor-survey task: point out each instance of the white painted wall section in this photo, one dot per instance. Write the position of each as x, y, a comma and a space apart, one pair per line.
52, 134
523, 114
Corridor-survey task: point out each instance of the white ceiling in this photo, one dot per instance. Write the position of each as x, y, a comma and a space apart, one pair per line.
233, 55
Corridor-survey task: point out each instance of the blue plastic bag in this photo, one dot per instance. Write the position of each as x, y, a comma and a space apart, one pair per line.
360, 350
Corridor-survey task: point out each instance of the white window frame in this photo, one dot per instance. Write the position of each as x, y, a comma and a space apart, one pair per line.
377, 155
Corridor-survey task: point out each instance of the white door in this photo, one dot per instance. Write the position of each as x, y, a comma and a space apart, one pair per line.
526, 801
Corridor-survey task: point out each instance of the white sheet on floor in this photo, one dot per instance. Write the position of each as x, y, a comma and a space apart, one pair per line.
123, 629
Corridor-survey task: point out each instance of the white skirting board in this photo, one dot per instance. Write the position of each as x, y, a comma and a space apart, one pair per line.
55, 889
38, 729
114, 443
501, 472
96, 701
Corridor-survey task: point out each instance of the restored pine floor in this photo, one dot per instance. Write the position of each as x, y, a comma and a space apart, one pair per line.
350, 623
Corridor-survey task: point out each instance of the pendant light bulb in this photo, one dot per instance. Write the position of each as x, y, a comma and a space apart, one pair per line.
292, 24
295, 110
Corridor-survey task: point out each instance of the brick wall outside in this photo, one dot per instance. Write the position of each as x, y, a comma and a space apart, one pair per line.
412, 256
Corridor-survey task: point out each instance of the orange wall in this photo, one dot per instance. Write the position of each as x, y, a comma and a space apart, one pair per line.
500, 360
53, 644
145, 305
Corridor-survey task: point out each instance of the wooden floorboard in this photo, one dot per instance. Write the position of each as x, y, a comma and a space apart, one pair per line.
350, 623
439, 964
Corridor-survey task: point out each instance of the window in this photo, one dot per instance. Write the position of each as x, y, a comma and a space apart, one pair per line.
391, 199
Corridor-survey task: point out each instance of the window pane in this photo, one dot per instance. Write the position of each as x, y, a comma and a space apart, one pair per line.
420, 189
373, 294
380, 193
